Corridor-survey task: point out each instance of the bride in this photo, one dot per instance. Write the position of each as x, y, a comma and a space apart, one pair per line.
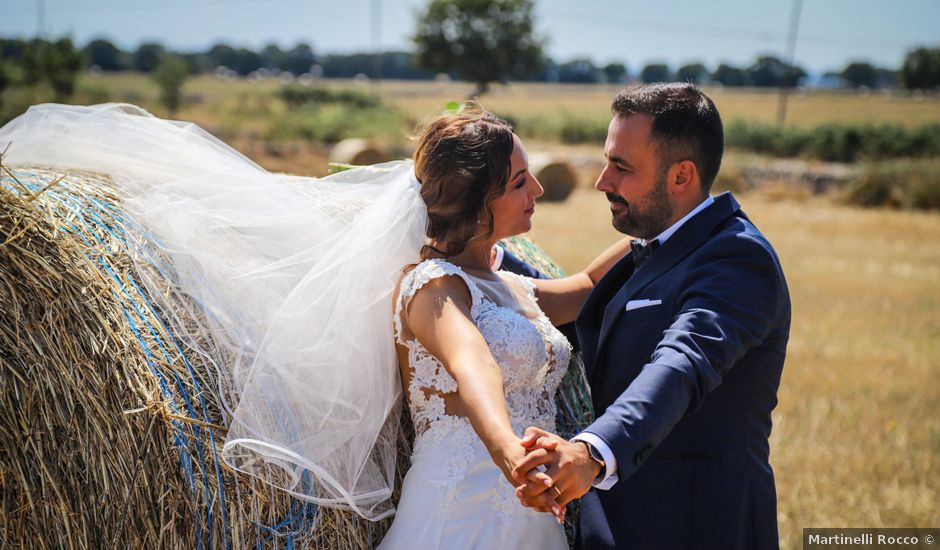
316, 292
479, 355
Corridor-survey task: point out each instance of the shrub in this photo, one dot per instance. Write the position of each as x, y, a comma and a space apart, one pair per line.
835, 142
296, 95
730, 178
875, 187
320, 114
332, 123
564, 127
88, 93
902, 183
583, 130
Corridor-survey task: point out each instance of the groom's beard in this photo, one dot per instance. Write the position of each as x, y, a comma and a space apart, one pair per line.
647, 217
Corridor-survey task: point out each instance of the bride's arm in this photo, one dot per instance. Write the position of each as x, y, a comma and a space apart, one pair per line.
561, 299
439, 317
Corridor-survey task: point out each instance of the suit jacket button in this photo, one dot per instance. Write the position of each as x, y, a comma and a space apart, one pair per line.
643, 454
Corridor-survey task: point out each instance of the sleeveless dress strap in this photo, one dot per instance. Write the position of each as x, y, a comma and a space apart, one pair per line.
421, 275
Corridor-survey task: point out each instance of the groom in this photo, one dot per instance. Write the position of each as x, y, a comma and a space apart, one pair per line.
683, 342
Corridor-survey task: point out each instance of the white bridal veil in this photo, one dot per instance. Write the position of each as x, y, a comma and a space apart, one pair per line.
293, 276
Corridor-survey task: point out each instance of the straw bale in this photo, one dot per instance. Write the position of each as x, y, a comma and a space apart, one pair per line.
557, 176
357, 151
111, 425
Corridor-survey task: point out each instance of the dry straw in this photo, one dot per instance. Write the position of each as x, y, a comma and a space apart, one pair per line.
110, 425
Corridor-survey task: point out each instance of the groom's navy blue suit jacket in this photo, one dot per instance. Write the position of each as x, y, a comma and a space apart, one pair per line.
683, 389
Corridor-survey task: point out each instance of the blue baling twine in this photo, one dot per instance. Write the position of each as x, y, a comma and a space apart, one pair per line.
98, 212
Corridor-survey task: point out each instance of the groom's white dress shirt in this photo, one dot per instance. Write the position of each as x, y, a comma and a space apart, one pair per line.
610, 461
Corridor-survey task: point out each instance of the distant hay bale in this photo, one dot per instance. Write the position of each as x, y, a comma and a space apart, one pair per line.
111, 425
358, 152
557, 176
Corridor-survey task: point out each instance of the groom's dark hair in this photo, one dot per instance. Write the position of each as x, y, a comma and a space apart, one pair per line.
686, 124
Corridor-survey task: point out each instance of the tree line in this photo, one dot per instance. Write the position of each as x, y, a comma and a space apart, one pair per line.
921, 68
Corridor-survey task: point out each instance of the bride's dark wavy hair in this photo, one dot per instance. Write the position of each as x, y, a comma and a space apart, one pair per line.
462, 161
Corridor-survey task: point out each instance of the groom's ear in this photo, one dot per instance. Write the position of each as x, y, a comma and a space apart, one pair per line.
682, 177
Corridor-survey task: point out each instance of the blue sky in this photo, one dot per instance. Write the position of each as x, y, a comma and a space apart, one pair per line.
831, 32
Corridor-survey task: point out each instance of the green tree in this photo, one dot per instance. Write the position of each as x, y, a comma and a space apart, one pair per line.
859, 73
60, 62
147, 57
31, 62
170, 75
615, 73
4, 80
298, 59
771, 72
730, 76
921, 69
578, 70
105, 55
655, 72
222, 55
272, 56
246, 61
695, 73
11, 49
483, 41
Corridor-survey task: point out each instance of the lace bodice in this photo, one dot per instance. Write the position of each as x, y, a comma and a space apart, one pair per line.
531, 353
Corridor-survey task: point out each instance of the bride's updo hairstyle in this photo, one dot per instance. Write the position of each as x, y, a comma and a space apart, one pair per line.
462, 162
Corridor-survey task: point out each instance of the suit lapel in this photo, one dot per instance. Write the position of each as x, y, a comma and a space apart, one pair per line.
592, 312
685, 240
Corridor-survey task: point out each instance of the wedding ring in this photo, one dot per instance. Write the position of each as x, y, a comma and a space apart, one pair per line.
557, 491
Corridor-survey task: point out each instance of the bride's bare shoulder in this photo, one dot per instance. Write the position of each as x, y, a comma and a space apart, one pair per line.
432, 284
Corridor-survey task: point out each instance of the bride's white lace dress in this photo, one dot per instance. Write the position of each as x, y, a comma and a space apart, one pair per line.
453, 495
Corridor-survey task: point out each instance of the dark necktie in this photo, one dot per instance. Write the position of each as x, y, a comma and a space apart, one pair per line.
642, 253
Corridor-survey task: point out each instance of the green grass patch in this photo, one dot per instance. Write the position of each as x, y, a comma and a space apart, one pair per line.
334, 122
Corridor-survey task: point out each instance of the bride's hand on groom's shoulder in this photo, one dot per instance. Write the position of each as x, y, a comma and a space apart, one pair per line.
567, 463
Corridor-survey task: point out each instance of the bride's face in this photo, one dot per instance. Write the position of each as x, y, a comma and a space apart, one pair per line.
512, 211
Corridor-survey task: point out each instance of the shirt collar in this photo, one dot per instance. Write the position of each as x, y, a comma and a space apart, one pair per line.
675, 227
498, 259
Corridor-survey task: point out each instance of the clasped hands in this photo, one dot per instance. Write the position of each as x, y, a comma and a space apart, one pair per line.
567, 475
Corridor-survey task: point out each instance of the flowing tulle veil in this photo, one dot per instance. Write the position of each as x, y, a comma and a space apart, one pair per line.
292, 279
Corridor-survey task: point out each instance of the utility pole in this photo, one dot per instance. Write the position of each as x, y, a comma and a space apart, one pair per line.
376, 43
788, 58
40, 19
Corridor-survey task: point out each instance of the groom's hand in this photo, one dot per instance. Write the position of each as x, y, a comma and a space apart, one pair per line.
567, 463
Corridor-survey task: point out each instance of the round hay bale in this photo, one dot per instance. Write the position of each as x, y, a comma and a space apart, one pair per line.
111, 423
357, 152
102, 402
557, 176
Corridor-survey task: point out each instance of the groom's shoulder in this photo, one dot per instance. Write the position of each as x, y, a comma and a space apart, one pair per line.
738, 227
739, 236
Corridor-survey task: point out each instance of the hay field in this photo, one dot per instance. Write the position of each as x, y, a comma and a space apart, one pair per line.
216, 102
804, 109
856, 438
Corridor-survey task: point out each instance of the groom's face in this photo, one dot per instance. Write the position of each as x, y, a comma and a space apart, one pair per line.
634, 179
